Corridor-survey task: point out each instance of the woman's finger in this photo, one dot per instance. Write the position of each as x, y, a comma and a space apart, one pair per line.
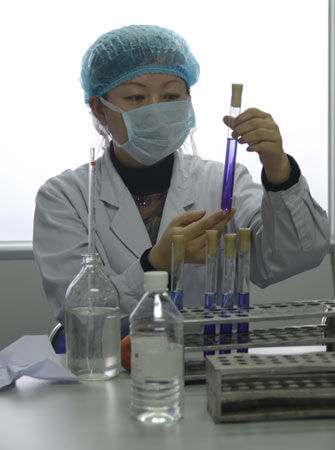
198, 228
264, 147
259, 135
189, 217
248, 114
253, 125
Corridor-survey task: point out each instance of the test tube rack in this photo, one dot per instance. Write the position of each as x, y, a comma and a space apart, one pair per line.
323, 333
242, 387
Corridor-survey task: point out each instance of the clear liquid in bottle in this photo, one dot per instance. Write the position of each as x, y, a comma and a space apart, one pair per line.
157, 356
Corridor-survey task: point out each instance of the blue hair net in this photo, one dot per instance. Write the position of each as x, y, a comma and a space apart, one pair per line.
128, 52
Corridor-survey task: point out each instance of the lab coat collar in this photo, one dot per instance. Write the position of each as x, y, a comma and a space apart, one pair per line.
127, 217
181, 195
113, 188
122, 210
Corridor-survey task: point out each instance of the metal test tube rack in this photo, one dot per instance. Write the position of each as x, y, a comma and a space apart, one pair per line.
292, 335
242, 387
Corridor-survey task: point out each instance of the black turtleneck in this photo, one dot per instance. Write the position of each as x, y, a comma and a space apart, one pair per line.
147, 180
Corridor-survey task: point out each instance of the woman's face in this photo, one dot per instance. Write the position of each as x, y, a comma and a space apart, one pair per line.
142, 91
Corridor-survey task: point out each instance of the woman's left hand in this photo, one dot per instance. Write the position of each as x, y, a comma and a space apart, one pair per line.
258, 129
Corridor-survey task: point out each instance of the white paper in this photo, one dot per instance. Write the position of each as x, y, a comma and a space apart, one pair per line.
32, 356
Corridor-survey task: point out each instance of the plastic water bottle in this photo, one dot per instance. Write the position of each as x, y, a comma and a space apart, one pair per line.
157, 355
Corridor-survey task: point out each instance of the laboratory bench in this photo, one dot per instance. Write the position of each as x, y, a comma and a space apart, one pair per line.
45, 415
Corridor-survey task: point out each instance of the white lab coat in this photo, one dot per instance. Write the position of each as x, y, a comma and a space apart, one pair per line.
290, 231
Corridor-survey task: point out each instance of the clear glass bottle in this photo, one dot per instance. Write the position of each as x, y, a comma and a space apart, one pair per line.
157, 355
92, 323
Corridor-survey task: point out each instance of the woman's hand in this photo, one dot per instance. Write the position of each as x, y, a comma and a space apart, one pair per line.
193, 226
258, 129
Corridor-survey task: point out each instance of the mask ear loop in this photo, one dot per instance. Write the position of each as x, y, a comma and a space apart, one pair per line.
104, 133
111, 105
188, 148
102, 130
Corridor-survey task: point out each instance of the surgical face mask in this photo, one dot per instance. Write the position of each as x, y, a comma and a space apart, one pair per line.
156, 130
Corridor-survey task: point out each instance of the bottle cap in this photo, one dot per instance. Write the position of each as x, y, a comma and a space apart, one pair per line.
179, 249
155, 281
212, 237
236, 95
230, 245
244, 240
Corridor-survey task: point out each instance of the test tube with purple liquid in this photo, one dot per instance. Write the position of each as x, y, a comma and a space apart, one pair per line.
228, 287
243, 284
229, 169
212, 246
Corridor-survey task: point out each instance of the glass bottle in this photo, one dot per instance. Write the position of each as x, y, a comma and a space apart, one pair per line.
157, 355
92, 323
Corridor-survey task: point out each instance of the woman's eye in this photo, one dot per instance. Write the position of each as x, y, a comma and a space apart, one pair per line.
135, 98
172, 97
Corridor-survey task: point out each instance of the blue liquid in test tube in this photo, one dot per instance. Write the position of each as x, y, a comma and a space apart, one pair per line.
230, 160
228, 287
226, 329
243, 285
212, 246
229, 173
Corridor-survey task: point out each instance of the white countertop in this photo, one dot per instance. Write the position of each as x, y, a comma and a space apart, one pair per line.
95, 415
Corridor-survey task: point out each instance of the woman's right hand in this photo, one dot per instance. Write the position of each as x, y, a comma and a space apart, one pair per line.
193, 226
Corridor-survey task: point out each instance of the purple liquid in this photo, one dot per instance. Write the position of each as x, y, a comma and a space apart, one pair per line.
209, 330
226, 329
229, 172
243, 300
243, 327
209, 336
210, 301
226, 335
178, 298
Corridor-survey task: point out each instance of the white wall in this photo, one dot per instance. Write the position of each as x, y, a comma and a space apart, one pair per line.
24, 309
277, 48
23, 306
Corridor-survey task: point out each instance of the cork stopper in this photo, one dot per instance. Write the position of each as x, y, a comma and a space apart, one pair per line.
236, 95
230, 245
179, 250
244, 240
212, 237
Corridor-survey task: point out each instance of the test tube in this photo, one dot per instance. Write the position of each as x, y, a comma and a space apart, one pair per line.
229, 169
177, 270
212, 246
243, 283
91, 202
228, 287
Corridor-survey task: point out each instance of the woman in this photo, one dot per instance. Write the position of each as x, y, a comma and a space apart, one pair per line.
137, 84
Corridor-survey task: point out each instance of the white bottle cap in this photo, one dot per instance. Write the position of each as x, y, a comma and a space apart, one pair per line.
155, 281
